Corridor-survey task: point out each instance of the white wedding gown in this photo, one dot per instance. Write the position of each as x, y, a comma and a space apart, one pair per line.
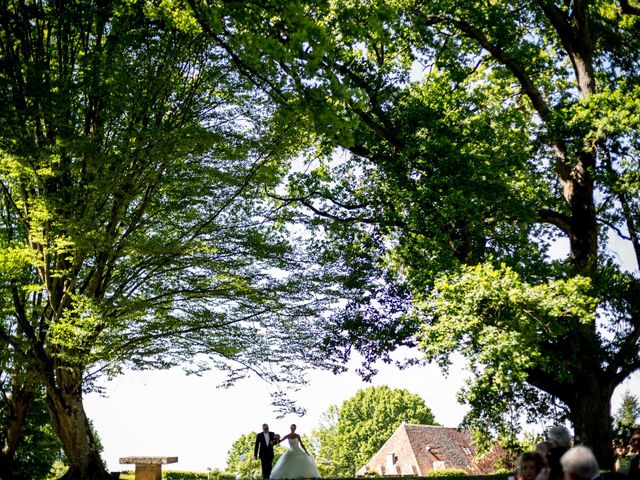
295, 463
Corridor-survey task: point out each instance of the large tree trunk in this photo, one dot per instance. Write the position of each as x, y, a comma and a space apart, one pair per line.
590, 413
70, 423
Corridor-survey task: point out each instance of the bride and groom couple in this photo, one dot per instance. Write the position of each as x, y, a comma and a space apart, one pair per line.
294, 462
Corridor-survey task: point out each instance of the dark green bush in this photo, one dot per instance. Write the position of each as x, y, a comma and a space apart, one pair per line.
217, 475
39, 447
180, 475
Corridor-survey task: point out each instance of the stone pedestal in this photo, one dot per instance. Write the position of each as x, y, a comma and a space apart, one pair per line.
148, 468
148, 472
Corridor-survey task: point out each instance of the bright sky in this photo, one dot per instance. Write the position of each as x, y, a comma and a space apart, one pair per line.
166, 413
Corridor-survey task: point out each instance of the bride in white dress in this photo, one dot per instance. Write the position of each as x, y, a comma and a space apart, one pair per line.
296, 461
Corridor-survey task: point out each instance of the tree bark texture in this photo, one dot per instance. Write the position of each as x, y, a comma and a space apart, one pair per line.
70, 423
590, 414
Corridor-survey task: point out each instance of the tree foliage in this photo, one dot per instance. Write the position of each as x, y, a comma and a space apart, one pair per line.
478, 137
324, 442
625, 421
134, 227
628, 414
32, 454
351, 434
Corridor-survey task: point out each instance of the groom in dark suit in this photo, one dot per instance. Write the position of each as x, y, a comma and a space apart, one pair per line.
264, 449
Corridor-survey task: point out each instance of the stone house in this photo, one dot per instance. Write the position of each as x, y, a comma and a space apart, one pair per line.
414, 450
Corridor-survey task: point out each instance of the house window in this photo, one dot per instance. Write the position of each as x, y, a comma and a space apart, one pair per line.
391, 460
466, 450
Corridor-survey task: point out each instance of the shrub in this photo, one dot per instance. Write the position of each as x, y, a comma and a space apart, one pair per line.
39, 447
448, 472
180, 475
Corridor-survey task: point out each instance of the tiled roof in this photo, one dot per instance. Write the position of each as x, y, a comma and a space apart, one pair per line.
414, 450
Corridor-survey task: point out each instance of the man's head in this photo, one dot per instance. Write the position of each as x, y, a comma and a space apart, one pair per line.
579, 463
265, 427
560, 436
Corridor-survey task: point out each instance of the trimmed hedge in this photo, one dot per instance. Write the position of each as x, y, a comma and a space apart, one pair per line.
180, 475
451, 472
177, 475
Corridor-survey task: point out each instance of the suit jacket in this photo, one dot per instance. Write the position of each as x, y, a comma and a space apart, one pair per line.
262, 448
634, 468
553, 459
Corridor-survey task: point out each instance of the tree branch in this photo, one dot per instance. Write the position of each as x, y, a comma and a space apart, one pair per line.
322, 213
547, 382
11, 202
577, 43
629, 350
629, 8
563, 222
385, 130
633, 233
247, 70
527, 85
627, 210
615, 228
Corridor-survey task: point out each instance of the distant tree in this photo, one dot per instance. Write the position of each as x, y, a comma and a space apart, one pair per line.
323, 441
628, 414
240, 461
625, 420
364, 423
29, 444
17, 393
492, 460
503, 455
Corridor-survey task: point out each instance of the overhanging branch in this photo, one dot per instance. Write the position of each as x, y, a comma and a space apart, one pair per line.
629, 8
516, 68
563, 222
